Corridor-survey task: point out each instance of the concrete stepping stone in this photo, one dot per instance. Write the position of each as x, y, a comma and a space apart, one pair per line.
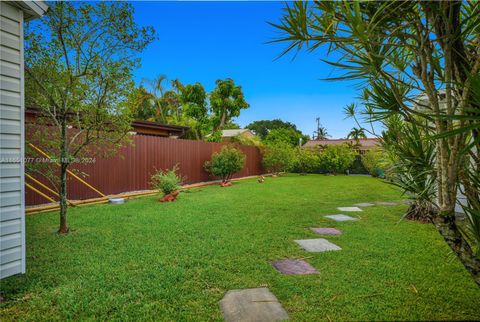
252, 305
341, 217
326, 231
384, 203
364, 204
317, 245
349, 209
294, 267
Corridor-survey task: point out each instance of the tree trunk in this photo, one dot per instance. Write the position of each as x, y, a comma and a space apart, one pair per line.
446, 226
63, 228
223, 121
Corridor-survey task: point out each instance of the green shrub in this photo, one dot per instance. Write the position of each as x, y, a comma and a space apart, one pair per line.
245, 140
167, 181
214, 137
336, 158
372, 161
306, 161
277, 157
283, 135
357, 166
226, 163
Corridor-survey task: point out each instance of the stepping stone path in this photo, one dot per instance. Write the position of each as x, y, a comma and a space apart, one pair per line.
252, 305
341, 217
317, 245
364, 204
259, 304
326, 231
294, 267
349, 209
383, 203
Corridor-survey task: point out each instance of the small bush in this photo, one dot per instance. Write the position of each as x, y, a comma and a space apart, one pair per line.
277, 157
226, 163
336, 158
372, 161
167, 181
306, 161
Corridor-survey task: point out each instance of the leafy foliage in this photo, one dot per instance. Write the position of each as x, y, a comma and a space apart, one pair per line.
186, 104
336, 158
176, 103
321, 132
226, 163
216, 136
284, 135
413, 169
356, 134
306, 161
263, 127
79, 60
246, 140
167, 181
417, 61
372, 160
226, 102
413, 166
278, 157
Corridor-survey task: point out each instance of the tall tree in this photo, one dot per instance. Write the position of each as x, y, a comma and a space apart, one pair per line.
193, 99
176, 103
156, 100
79, 60
321, 132
263, 127
401, 49
226, 102
284, 135
357, 134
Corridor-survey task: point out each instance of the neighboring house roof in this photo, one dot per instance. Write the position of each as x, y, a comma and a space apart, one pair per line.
235, 132
140, 127
364, 143
159, 129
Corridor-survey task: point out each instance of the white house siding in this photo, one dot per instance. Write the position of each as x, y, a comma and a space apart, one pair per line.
12, 219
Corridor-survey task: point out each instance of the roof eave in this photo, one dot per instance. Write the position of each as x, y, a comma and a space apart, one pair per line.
32, 9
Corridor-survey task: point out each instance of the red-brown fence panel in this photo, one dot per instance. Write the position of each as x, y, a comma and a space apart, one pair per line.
131, 168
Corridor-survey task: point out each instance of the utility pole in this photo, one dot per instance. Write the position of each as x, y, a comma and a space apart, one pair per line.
318, 128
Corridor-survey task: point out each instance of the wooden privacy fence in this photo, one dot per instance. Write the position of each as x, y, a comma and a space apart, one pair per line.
131, 168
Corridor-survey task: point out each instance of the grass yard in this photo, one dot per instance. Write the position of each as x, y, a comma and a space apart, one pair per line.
144, 260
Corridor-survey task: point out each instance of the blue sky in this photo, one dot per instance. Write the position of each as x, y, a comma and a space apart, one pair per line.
206, 41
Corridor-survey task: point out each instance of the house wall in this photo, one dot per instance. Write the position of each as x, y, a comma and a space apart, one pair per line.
12, 219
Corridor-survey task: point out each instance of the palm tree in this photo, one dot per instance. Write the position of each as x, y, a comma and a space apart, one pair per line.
357, 134
154, 97
165, 101
321, 132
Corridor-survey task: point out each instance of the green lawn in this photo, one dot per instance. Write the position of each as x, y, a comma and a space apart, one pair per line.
146, 260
